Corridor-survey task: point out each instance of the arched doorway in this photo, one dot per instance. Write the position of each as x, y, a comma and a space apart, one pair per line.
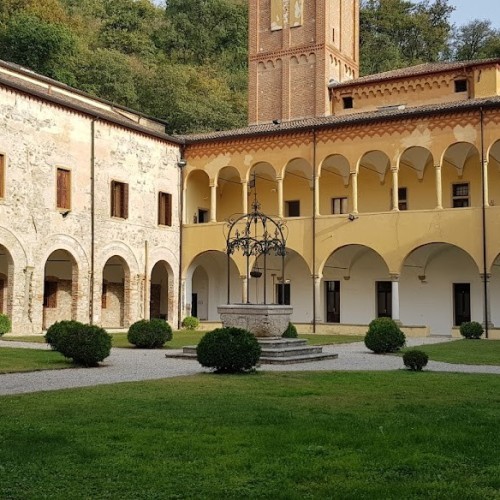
356, 286
6, 278
161, 293
440, 287
60, 288
115, 296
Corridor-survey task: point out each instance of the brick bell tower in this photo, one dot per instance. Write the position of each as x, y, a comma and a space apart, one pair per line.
296, 47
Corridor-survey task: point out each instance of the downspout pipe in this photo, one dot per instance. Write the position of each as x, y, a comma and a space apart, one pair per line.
314, 232
181, 163
92, 218
484, 235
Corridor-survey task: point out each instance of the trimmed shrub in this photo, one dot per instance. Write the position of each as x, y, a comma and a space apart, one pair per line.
384, 335
56, 332
5, 324
471, 330
84, 344
190, 323
149, 334
290, 332
415, 360
228, 350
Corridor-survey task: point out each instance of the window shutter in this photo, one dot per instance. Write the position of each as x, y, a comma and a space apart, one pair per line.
2, 176
63, 188
104, 296
161, 209
168, 209
125, 201
113, 199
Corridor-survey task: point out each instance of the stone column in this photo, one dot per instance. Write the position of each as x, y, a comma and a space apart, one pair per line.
354, 183
439, 188
280, 196
244, 194
486, 199
318, 316
316, 195
244, 288
395, 187
213, 202
184, 206
395, 298
486, 279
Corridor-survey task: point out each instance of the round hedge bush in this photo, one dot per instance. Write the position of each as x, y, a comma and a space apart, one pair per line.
58, 330
471, 330
384, 335
228, 350
290, 332
5, 324
85, 344
415, 360
150, 334
190, 323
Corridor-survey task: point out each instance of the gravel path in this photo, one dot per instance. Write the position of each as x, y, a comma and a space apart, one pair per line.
128, 365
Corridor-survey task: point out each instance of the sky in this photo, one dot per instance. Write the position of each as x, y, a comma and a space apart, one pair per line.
466, 10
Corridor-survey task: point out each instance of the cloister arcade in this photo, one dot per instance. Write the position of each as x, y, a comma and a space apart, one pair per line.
418, 179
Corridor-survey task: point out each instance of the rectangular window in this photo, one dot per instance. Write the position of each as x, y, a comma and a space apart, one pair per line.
461, 195
63, 189
283, 294
50, 294
2, 176
460, 86
119, 200
348, 102
201, 217
339, 205
164, 209
292, 208
402, 199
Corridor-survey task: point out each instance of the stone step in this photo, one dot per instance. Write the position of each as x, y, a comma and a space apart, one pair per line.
276, 343
284, 352
297, 359
264, 360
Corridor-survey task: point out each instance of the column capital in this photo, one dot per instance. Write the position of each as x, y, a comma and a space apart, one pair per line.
395, 169
213, 183
394, 276
485, 277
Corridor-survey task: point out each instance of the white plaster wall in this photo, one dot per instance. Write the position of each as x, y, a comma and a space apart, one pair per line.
431, 303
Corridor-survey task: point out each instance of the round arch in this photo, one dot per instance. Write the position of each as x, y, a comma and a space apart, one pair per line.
416, 179
60, 287
229, 192
297, 188
440, 287
116, 293
355, 285
334, 193
197, 193
374, 182
265, 186
6, 281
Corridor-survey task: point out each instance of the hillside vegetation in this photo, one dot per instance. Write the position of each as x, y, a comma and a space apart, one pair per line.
185, 61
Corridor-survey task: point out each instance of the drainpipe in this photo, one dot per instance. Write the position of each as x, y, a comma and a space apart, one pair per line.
314, 232
484, 240
92, 219
180, 164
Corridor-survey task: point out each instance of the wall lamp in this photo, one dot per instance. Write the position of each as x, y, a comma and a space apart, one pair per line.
181, 163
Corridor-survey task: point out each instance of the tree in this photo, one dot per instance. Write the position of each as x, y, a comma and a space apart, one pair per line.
47, 48
399, 33
476, 40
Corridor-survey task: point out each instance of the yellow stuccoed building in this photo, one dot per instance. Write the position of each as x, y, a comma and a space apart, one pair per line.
389, 194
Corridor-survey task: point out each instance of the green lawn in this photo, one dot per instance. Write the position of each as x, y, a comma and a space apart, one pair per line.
468, 352
30, 360
182, 338
278, 436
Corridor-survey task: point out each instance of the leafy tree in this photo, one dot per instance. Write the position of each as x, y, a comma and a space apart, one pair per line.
399, 33
476, 40
45, 47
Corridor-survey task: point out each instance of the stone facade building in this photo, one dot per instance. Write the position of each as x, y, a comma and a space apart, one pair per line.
389, 184
88, 208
